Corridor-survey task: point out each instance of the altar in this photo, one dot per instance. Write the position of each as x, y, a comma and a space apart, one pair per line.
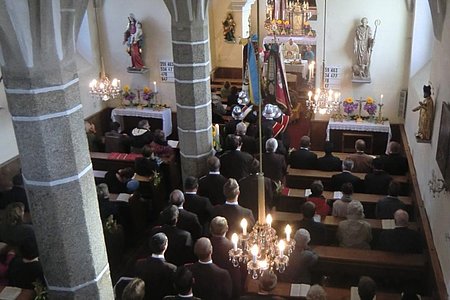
344, 134
165, 115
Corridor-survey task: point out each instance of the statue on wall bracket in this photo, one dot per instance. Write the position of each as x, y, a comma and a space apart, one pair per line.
362, 48
134, 39
426, 117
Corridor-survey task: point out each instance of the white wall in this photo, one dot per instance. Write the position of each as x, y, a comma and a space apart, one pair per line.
437, 71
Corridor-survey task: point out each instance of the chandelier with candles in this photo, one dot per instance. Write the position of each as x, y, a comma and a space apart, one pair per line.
260, 249
323, 101
104, 88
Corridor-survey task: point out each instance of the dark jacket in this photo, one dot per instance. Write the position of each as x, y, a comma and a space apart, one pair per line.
303, 159
377, 182
200, 206
179, 250
387, 206
211, 282
234, 215
394, 164
329, 163
211, 187
274, 166
338, 180
157, 275
236, 164
400, 240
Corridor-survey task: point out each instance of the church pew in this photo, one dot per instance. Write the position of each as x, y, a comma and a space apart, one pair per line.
101, 162
386, 268
341, 155
283, 289
292, 199
302, 178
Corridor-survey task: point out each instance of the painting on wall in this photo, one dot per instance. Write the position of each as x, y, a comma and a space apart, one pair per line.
443, 149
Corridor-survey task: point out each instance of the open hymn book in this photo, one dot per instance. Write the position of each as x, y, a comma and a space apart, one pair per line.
388, 223
10, 293
299, 290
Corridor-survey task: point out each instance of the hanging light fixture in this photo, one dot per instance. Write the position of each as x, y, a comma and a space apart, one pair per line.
103, 87
323, 100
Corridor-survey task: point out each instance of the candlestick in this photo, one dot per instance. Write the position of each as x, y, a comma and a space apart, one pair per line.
155, 88
244, 226
381, 99
380, 116
269, 220
234, 240
281, 246
254, 252
288, 231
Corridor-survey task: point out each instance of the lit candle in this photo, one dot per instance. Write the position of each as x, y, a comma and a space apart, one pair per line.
155, 89
281, 246
381, 99
114, 83
309, 95
288, 231
254, 251
269, 220
244, 226
234, 240
93, 83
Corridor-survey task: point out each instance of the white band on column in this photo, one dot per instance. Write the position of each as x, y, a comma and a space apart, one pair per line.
42, 90
194, 107
194, 130
190, 43
58, 181
196, 156
47, 116
80, 286
193, 80
192, 65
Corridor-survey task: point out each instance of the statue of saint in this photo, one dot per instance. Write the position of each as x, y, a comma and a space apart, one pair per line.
362, 48
133, 37
228, 28
426, 109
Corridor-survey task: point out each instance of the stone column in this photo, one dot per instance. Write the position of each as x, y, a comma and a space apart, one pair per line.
41, 83
190, 44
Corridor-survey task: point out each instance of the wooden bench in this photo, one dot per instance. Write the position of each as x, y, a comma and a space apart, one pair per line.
302, 178
386, 268
102, 162
283, 289
340, 155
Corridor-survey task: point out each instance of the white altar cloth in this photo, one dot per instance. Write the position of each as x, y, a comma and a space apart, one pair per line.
164, 114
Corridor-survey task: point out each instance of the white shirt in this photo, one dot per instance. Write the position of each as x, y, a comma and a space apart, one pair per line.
231, 203
205, 262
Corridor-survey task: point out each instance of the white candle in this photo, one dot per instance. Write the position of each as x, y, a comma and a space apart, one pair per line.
281, 246
288, 231
244, 226
254, 251
269, 220
155, 89
309, 95
381, 99
234, 240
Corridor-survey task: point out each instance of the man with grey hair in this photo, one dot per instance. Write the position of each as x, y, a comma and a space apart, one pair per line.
221, 246
354, 232
302, 260
337, 180
248, 142
316, 292
303, 158
211, 281
274, 164
186, 220
401, 239
362, 161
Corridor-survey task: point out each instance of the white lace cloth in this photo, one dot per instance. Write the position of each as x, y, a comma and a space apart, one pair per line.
165, 115
363, 126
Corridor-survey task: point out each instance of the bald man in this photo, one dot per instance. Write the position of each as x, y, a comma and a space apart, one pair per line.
401, 239
362, 161
210, 281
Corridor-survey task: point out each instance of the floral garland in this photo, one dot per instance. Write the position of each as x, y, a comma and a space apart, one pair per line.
349, 105
370, 106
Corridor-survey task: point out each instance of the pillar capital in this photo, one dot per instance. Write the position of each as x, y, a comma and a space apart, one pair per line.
239, 5
187, 13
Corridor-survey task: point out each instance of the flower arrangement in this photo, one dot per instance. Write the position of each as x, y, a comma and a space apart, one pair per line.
278, 26
128, 95
349, 105
370, 106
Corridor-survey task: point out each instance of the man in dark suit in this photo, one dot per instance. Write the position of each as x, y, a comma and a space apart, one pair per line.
362, 161
211, 185
248, 188
401, 239
231, 210
316, 229
338, 180
197, 204
234, 163
183, 282
187, 220
274, 164
179, 250
387, 206
303, 158
248, 142
329, 162
155, 271
221, 246
378, 181
210, 281
394, 163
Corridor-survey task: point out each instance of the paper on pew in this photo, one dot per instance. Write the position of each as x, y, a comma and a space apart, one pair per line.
388, 223
299, 290
337, 195
307, 192
10, 293
354, 295
172, 143
123, 197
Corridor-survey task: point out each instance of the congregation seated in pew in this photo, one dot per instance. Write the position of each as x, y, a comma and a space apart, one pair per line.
337, 180
340, 205
329, 162
303, 158
322, 208
362, 161
387, 206
316, 229
354, 232
377, 182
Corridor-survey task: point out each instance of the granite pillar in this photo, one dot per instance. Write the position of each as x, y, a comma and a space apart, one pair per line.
190, 44
37, 60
